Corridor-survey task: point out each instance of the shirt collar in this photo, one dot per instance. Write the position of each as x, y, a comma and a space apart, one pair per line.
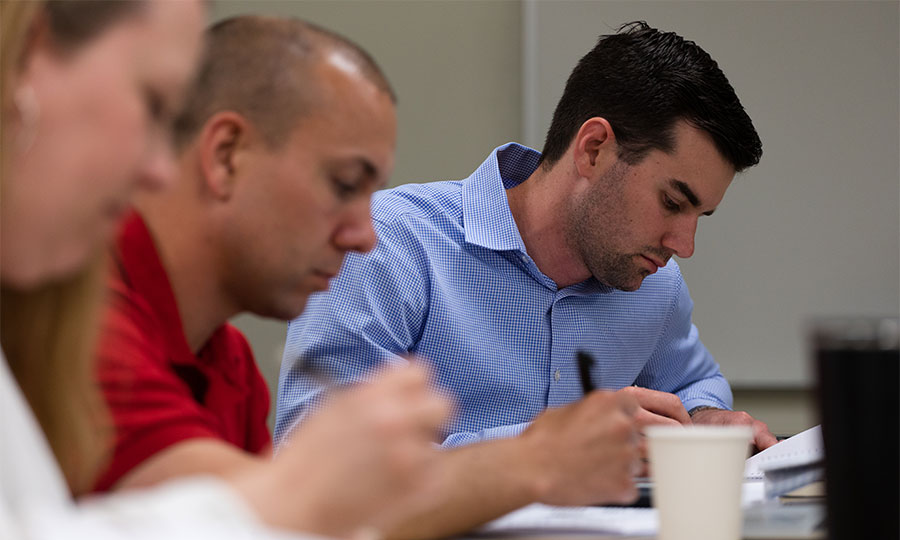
489, 222
487, 218
142, 270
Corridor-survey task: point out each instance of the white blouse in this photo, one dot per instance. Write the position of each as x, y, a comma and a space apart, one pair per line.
35, 503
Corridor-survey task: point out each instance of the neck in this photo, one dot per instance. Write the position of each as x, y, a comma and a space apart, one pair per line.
188, 254
540, 206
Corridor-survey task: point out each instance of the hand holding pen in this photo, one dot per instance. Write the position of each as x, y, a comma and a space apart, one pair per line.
654, 407
597, 436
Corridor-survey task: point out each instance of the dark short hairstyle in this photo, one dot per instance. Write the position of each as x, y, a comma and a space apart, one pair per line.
643, 81
261, 68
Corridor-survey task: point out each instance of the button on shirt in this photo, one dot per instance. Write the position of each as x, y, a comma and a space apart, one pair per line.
450, 282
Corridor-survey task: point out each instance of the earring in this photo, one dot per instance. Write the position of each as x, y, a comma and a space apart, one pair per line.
29, 110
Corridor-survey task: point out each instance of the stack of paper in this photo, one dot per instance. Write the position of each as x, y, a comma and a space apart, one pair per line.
790, 464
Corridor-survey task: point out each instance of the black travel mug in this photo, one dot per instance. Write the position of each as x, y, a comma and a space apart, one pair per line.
857, 361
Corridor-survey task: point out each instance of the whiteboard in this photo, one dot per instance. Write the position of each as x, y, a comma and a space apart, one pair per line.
814, 229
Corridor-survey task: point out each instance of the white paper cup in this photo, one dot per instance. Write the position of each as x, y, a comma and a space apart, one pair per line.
697, 474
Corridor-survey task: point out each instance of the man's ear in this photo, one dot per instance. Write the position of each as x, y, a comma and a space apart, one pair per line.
223, 138
595, 148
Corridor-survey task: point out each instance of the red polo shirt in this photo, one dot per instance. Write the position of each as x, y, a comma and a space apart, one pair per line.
157, 390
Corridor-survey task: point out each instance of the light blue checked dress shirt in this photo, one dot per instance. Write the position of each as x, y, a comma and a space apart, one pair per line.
450, 282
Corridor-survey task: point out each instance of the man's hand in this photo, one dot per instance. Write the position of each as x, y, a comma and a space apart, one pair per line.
762, 437
586, 452
367, 459
654, 408
657, 408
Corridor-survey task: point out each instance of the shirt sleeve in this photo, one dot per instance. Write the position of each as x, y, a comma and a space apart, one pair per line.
681, 364
468, 437
182, 510
369, 318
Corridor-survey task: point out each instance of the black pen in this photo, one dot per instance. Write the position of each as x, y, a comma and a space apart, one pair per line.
585, 362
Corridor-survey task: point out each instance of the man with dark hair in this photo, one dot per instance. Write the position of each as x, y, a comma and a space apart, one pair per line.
501, 279
285, 135
643, 81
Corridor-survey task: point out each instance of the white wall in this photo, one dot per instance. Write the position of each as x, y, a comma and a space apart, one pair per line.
814, 229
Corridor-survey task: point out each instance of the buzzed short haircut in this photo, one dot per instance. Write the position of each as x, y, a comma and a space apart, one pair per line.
262, 68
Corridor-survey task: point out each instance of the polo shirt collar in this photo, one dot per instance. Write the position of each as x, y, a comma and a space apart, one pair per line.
142, 269
487, 219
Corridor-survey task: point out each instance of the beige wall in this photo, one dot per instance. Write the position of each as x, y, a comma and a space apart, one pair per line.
786, 411
455, 66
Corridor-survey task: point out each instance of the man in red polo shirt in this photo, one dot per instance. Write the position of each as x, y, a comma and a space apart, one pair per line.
287, 133
161, 390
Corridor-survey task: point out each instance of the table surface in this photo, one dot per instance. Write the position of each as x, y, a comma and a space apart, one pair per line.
770, 521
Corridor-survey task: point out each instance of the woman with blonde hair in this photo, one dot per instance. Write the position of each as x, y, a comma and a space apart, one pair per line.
89, 89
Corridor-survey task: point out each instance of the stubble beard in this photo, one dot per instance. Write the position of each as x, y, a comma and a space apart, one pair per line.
597, 222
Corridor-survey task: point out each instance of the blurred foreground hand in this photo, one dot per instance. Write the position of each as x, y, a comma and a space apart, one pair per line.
588, 450
362, 463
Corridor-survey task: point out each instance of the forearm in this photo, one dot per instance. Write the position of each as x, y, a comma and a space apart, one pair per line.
200, 456
479, 483
682, 365
276, 501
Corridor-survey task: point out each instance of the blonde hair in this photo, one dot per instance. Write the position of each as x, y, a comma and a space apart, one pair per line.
48, 336
48, 333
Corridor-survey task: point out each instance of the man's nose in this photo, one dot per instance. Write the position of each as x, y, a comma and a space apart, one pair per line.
157, 168
680, 240
356, 232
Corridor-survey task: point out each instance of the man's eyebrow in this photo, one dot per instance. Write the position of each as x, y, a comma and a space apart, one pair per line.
686, 191
370, 171
689, 194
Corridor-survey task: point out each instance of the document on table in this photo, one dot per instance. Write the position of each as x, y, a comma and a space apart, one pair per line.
790, 464
540, 518
805, 448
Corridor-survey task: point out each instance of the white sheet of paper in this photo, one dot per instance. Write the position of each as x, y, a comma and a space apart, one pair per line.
801, 449
540, 518
752, 492
597, 519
